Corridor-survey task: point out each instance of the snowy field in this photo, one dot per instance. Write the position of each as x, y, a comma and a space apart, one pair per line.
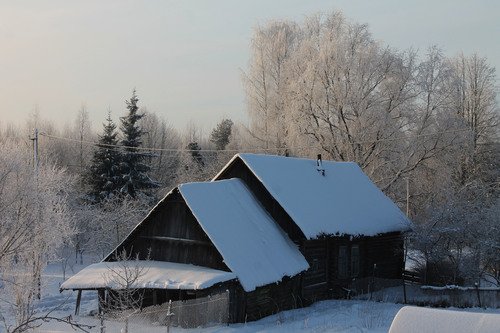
326, 316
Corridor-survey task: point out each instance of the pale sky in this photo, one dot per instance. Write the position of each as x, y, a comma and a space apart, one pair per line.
185, 57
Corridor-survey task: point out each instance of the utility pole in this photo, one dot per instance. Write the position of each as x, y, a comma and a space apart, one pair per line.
405, 241
37, 256
35, 151
408, 197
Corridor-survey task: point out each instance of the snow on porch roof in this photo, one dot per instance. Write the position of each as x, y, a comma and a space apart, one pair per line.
253, 246
343, 200
152, 274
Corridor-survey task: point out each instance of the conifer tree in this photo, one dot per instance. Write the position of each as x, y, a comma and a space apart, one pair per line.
133, 167
104, 174
221, 134
194, 149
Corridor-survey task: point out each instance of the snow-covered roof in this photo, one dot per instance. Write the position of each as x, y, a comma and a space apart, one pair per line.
342, 201
252, 245
149, 273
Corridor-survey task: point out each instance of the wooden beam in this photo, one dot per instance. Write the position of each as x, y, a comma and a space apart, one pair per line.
102, 300
78, 300
178, 240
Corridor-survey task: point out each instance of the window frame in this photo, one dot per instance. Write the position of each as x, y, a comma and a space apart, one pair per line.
355, 260
343, 262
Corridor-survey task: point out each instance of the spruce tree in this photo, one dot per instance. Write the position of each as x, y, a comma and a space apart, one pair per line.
104, 175
194, 149
133, 167
221, 134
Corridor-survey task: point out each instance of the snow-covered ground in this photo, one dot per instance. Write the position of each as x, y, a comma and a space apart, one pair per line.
326, 316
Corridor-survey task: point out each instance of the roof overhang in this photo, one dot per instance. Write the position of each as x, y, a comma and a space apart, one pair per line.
145, 274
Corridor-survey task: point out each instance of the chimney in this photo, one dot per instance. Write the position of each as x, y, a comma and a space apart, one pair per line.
319, 164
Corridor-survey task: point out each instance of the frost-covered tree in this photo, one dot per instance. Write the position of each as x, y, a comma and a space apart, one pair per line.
265, 83
459, 238
326, 85
84, 133
458, 222
35, 220
474, 100
160, 135
104, 178
134, 170
196, 161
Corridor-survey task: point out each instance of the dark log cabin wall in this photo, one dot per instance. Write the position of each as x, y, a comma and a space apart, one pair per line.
337, 261
265, 300
171, 233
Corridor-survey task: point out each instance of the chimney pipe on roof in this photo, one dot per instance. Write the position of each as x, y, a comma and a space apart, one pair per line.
319, 164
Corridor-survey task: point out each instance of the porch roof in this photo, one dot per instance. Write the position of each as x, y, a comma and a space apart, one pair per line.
146, 274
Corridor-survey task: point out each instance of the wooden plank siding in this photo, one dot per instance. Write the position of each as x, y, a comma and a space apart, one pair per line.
315, 279
265, 300
323, 280
171, 233
386, 252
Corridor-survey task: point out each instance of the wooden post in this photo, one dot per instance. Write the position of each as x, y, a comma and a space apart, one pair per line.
405, 255
78, 300
169, 315
228, 304
478, 294
103, 327
404, 287
407, 196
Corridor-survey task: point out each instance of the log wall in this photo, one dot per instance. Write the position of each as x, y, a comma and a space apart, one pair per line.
171, 233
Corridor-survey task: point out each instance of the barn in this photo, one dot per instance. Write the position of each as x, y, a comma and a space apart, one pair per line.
276, 232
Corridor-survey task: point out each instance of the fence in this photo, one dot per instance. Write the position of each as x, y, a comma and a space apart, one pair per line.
393, 290
463, 297
207, 311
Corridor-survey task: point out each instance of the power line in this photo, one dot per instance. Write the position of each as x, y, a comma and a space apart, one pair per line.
246, 149
151, 148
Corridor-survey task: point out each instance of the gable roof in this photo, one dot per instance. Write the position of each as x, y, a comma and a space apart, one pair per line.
253, 246
342, 201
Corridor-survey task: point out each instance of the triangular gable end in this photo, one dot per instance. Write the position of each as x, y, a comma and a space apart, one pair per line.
171, 233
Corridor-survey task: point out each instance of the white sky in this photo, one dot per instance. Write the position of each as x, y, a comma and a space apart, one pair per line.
185, 57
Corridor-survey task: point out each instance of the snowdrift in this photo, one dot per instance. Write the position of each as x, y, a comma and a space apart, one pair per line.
414, 319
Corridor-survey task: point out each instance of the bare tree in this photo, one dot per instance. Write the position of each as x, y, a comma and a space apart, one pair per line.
124, 277
159, 134
83, 131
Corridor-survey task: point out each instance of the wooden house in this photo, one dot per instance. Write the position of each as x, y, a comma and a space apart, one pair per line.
276, 232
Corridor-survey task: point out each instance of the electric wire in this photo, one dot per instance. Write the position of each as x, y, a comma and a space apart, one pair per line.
93, 143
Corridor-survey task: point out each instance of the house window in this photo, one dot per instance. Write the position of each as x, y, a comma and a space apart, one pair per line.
355, 260
342, 269
315, 265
